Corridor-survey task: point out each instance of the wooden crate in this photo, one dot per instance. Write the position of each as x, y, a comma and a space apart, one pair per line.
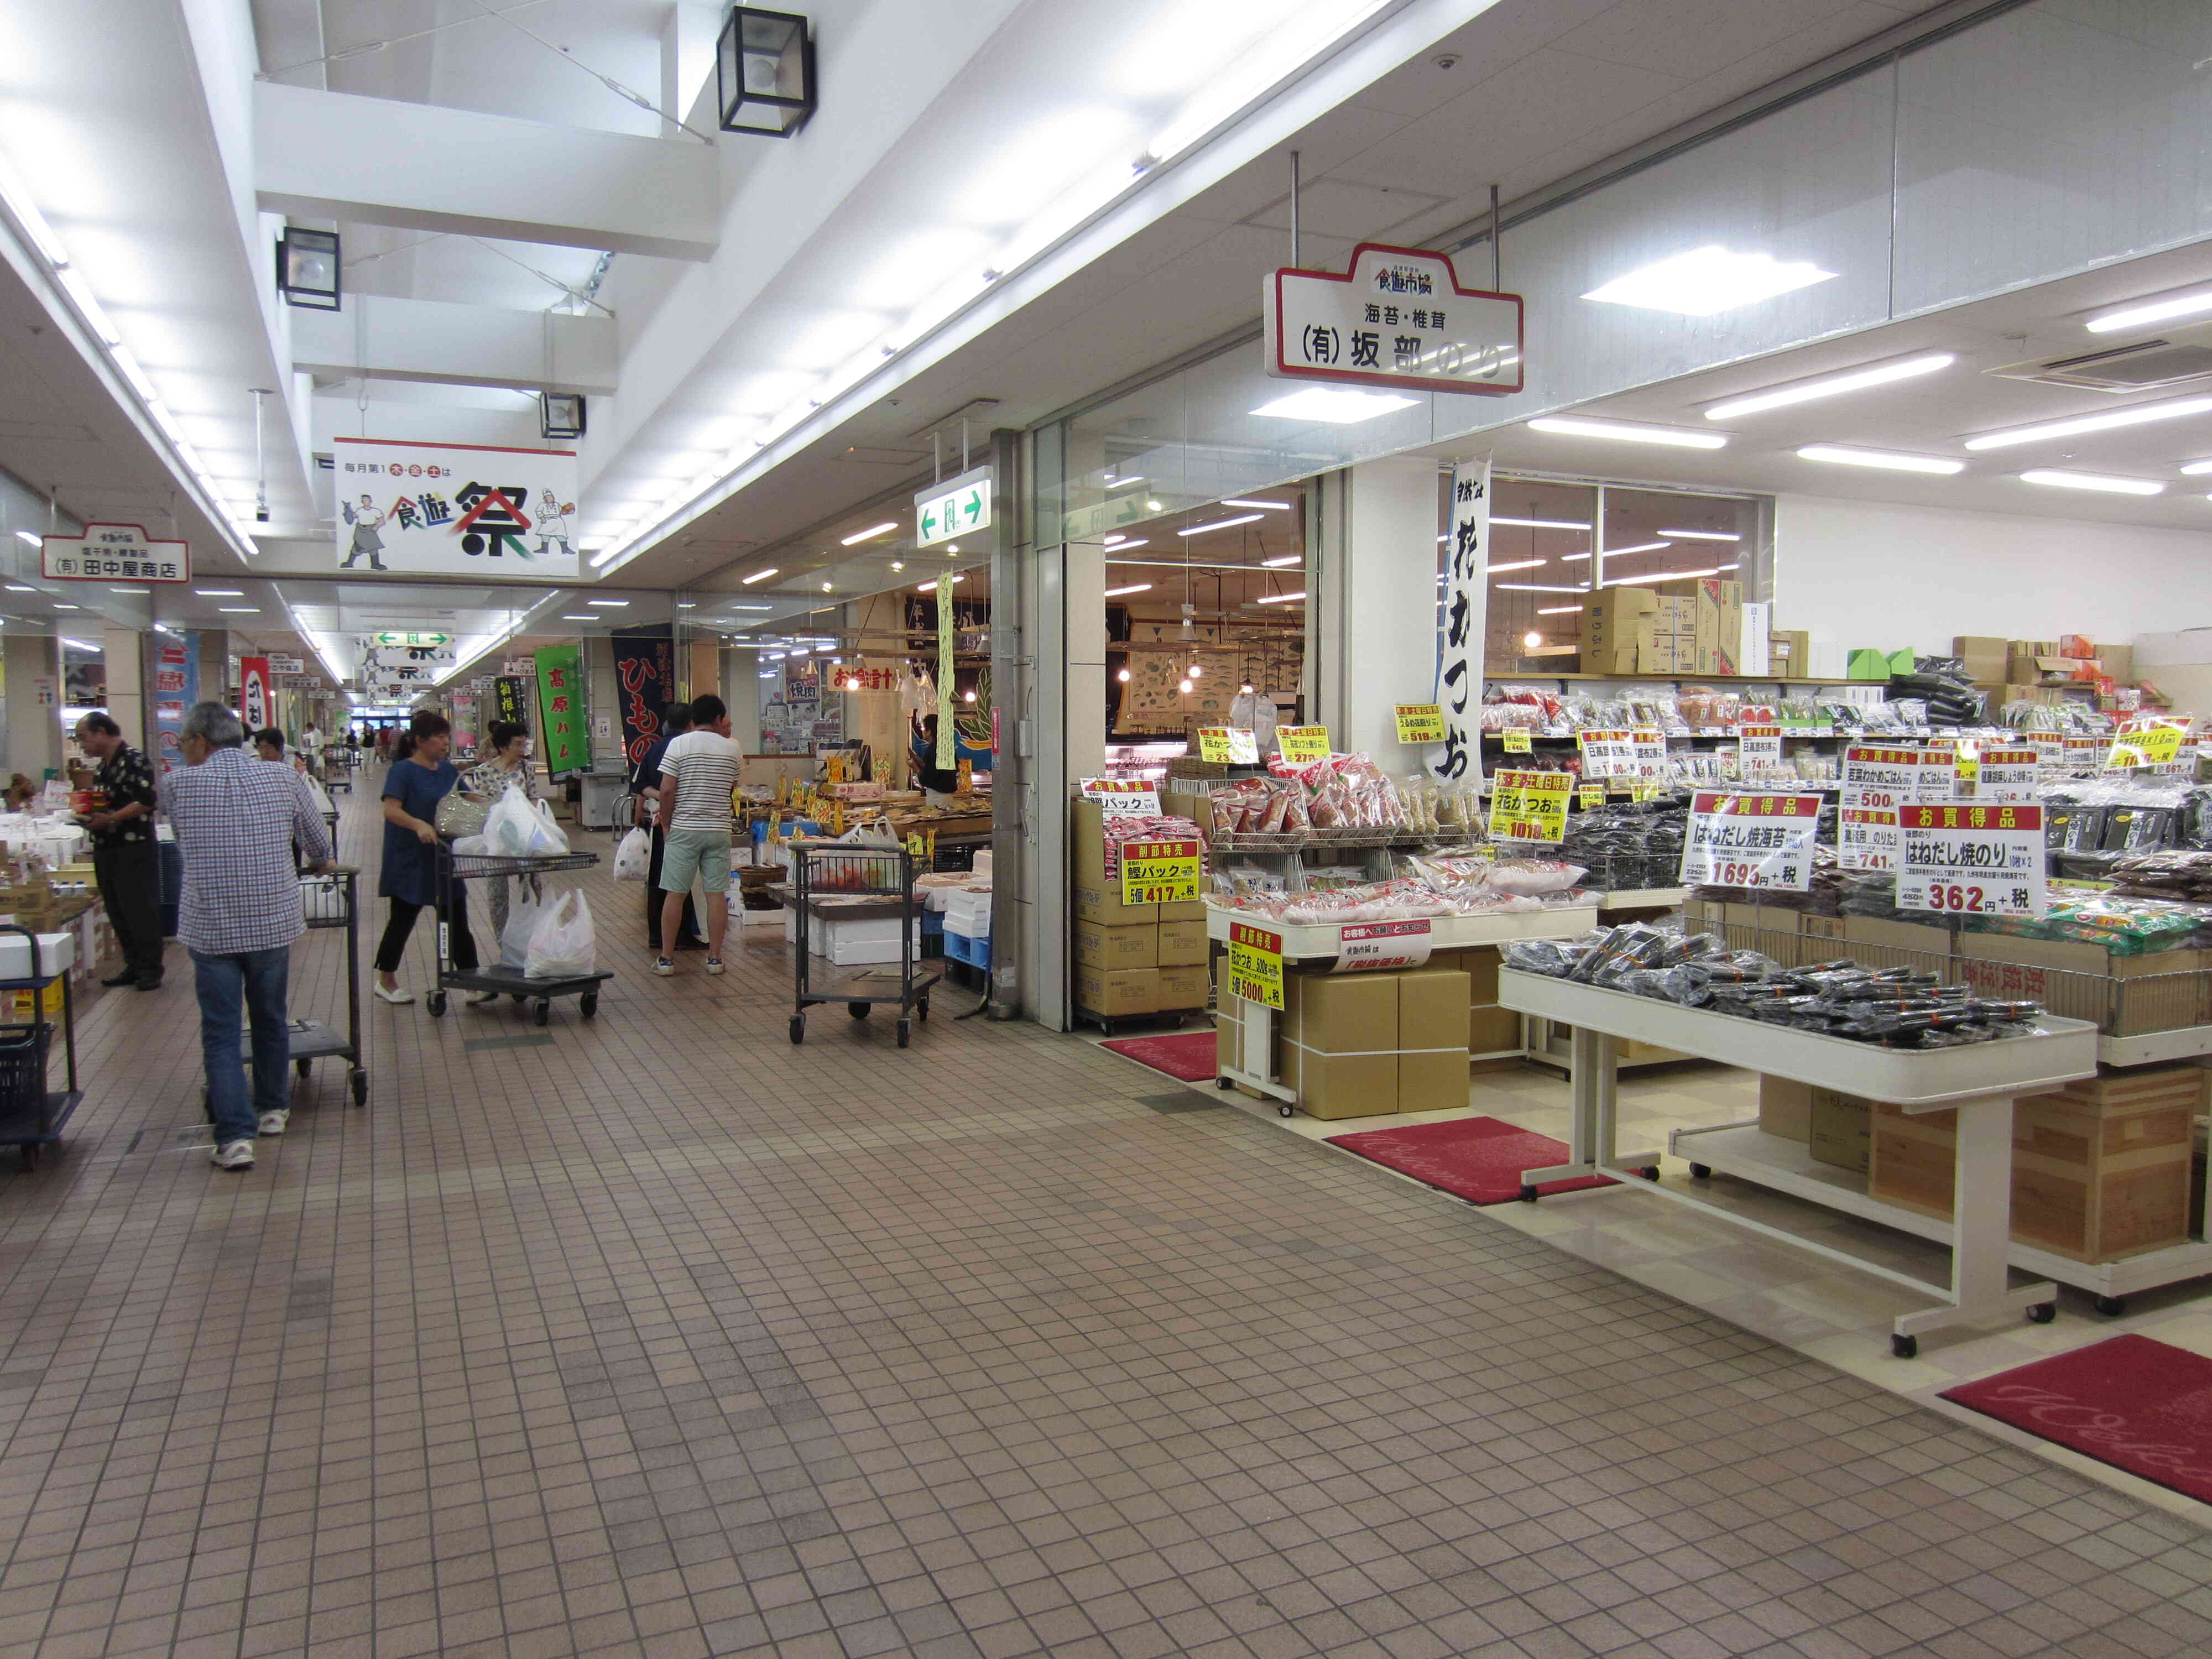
2100, 1168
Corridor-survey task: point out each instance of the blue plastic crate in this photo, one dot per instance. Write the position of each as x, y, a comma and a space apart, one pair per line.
975, 952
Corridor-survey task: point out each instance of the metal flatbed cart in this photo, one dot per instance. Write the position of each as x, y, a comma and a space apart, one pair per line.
338, 767
31, 1114
456, 869
841, 884
332, 901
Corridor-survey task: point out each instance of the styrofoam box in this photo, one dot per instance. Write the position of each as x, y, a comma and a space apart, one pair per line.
855, 944
983, 864
57, 953
968, 926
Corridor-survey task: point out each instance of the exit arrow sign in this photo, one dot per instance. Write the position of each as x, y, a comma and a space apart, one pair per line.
954, 507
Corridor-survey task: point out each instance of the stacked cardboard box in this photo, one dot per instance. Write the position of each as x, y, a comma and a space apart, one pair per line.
1789, 652
1985, 656
1360, 1045
1715, 622
1674, 636
1617, 630
1832, 1126
1491, 1031
1131, 958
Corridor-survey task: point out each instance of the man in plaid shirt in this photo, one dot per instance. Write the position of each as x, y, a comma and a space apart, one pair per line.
237, 818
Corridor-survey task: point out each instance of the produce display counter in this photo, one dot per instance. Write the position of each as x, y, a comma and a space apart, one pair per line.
1980, 1081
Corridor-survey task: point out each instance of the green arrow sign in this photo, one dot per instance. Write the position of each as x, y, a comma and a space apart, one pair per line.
953, 508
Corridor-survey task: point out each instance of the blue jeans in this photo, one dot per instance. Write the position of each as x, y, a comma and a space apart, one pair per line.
230, 987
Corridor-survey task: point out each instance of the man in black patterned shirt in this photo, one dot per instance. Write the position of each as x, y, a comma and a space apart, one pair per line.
124, 859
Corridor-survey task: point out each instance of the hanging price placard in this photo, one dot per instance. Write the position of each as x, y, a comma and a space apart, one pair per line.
1516, 742
2146, 743
1647, 748
1750, 840
1530, 805
1232, 745
1757, 748
1420, 722
1607, 753
1971, 860
1256, 964
1122, 797
2008, 775
1160, 871
1591, 795
1301, 746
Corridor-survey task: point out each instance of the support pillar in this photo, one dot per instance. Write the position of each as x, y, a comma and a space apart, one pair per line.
34, 688
1372, 601
124, 649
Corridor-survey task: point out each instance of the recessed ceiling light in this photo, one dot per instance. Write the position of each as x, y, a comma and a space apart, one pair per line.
2093, 481
239, 609
1280, 598
897, 565
1707, 280
1271, 507
2195, 468
220, 592
130, 589
1832, 385
827, 588
1134, 587
1518, 564
948, 580
759, 576
1219, 524
1542, 587
752, 607
872, 531
1286, 559
18, 587
1576, 426
587, 616
2151, 311
1700, 536
1886, 460
1333, 405
26, 536
2136, 414
1535, 524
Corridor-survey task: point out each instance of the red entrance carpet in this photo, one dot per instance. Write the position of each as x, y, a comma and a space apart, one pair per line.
1477, 1159
2141, 1406
1188, 1055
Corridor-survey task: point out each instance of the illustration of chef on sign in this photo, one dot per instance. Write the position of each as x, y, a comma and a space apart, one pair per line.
410, 508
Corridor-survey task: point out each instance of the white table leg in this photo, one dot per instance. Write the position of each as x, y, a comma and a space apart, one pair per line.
1981, 1230
1594, 1097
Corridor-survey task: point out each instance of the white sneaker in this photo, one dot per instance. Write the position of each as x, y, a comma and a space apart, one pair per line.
233, 1155
714, 965
402, 995
274, 1123
663, 966
477, 998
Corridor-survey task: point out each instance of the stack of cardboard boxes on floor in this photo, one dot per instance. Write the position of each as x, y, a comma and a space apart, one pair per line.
49, 904
1678, 628
1131, 959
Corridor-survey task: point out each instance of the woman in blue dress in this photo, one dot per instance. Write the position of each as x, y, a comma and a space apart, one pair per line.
420, 776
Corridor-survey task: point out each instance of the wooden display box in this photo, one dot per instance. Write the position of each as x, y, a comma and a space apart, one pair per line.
2122, 996
2100, 1169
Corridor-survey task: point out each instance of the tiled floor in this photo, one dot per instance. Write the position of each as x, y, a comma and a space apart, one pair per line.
660, 1336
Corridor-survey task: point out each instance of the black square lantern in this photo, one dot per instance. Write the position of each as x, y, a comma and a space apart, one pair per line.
308, 267
764, 72
561, 414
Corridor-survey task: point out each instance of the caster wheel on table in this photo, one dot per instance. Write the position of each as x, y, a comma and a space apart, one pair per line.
858, 1010
588, 1004
2043, 1313
359, 1079
303, 1066
905, 1032
1904, 1347
1225, 1083
435, 1002
1528, 1192
1649, 1172
798, 1028
2111, 1306
1700, 1172
521, 996
1287, 1111
543, 1012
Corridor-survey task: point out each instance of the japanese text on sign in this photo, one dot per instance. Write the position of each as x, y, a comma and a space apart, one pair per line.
1518, 742
2008, 775
1458, 758
1122, 797
1398, 317
955, 508
1303, 745
1607, 753
2147, 743
1750, 840
1230, 745
1757, 747
1256, 964
1420, 722
1984, 861
113, 552
409, 507
1385, 945
1160, 871
1530, 806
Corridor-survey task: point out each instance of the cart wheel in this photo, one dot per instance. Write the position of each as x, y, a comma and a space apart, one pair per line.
1225, 1083
521, 996
588, 1004
905, 1032
922, 1008
858, 1010
1904, 1347
435, 1002
2043, 1313
798, 1028
2111, 1306
360, 1081
1701, 1172
1650, 1173
1287, 1111
1527, 1192
303, 1066
543, 1011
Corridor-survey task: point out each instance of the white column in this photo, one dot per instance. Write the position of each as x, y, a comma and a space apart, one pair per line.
34, 722
1372, 593
121, 648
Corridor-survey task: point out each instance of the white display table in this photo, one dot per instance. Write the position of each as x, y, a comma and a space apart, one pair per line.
1980, 1081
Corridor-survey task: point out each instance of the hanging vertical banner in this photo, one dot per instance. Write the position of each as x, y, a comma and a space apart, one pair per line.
944, 669
253, 700
1466, 621
567, 750
645, 683
176, 688
464, 703
510, 698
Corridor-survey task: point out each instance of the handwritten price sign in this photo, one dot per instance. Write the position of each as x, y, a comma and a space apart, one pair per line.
1530, 806
1256, 964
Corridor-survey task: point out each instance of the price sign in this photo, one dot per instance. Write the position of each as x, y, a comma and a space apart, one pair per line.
2146, 743
1123, 797
1750, 840
1591, 795
1647, 747
1757, 747
2051, 749
1301, 746
1256, 964
2084, 754
1978, 861
1419, 722
1516, 742
1607, 753
1232, 746
1529, 806
1382, 945
2008, 775
1160, 871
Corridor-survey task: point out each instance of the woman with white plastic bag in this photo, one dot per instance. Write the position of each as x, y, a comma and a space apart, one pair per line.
505, 766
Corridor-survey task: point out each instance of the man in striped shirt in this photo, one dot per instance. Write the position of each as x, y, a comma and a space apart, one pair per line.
698, 773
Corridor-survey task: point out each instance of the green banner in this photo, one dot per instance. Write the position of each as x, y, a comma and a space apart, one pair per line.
566, 748
945, 669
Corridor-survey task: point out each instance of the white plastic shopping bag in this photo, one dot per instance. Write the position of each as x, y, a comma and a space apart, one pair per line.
634, 858
524, 913
508, 825
563, 946
546, 838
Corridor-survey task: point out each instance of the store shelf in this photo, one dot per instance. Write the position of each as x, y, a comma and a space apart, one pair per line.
1643, 898
1313, 940
1697, 680
2184, 1042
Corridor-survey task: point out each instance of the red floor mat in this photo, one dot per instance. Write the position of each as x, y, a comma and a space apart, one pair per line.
2141, 1406
1477, 1159
1188, 1055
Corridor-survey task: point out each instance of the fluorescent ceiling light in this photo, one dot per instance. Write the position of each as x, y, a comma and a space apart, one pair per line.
1280, 598
1286, 559
1558, 609
1641, 547
752, 607
67, 607
1219, 524
1700, 536
1112, 540
2152, 310
1832, 385
1575, 426
758, 577
925, 588
1569, 558
686, 604
1727, 566
1123, 484
80, 645
583, 618
2093, 481
220, 592
609, 605
18, 587
26, 536
1125, 544
1518, 564
1333, 405
1662, 576
2173, 408
861, 536
1271, 507
1535, 524
239, 609
2191, 470
130, 589
1888, 460
1134, 587
1541, 587
1707, 280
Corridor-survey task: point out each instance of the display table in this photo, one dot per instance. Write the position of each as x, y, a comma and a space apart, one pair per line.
1980, 1081
1324, 942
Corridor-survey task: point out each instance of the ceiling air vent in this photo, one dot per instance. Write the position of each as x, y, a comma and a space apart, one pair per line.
2168, 359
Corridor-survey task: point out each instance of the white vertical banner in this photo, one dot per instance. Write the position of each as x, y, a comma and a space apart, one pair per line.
1465, 622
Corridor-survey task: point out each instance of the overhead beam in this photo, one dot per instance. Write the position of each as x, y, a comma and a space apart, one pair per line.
382, 338
335, 156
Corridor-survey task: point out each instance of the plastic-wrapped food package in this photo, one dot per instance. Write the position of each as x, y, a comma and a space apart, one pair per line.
1533, 876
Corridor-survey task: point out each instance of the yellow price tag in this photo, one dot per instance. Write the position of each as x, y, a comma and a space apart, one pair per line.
1420, 722
2153, 743
1160, 871
1303, 745
1591, 795
1256, 964
1530, 805
1231, 746
883, 769
1516, 743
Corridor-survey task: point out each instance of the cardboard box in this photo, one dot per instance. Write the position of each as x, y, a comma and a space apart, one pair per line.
1494, 1032
1786, 1108
1840, 1129
1117, 948
1097, 898
1182, 987
1983, 654
1129, 991
1480, 964
1182, 943
1790, 652
2120, 661
1231, 1052
1717, 624
2122, 996
1183, 910
1615, 631
1340, 1044
1432, 1019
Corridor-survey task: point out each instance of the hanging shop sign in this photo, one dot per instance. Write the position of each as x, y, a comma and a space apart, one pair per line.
1364, 946
1122, 797
1398, 318
1530, 805
287, 664
1256, 964
1161, 871
1420, 722
1465, 619
254, 699
1301, 746
411, 640
1971, 860
957, 506
113, 552
947, 746
568, 751
1750, 840
1228, 745
645, 683
410, 508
